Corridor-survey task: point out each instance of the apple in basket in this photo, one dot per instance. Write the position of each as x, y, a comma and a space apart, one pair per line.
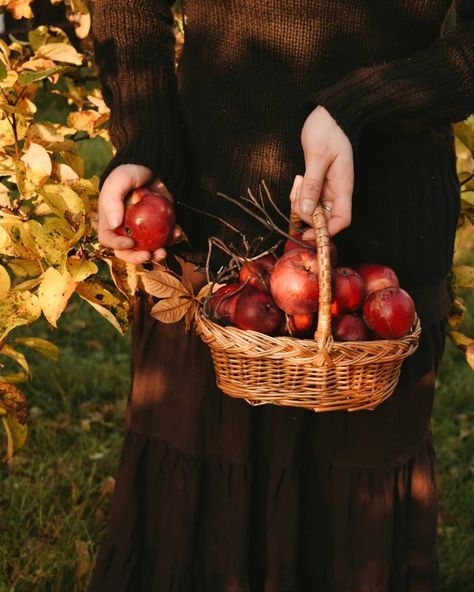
349, 290
149, 220
222, 303
377, 276
349, 327
303, 325
291, 244
256, 310
257, 271
294, 282
389, 312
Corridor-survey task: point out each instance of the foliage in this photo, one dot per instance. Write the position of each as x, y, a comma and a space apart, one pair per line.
462, 273
48, 243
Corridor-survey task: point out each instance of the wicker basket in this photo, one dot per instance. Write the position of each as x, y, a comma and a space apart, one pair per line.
322, 375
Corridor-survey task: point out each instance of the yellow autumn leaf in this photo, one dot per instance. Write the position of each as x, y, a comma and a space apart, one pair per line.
66, 203
64, 173
23, 268
81, 22
38, 165
85, 120
7, 137
124, 274
9, 80
171, 310
60, 52
20, 9
80, 269
21, 308
5, 283
54, 293
16, 240
106, 303
76, 163
163, 284
16, 436
53, 239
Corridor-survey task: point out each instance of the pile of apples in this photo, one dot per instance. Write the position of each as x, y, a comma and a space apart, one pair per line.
279, 296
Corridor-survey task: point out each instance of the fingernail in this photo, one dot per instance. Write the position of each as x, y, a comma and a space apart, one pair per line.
307, 207
114, 221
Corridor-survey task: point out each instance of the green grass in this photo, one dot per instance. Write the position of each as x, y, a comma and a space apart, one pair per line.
55, 495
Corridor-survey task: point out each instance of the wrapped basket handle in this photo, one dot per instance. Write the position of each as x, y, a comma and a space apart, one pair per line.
323, 334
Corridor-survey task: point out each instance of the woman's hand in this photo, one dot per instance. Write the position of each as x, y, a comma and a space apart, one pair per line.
115, 189
329, 174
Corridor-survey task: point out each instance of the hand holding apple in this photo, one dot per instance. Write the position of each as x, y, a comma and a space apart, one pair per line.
117, 186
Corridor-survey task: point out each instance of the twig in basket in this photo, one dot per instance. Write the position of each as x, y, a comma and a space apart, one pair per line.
228, 224
267, 221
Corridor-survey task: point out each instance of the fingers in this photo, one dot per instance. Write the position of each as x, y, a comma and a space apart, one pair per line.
311, 188
115, 189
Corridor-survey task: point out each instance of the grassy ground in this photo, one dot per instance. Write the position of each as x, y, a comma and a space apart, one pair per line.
56, 495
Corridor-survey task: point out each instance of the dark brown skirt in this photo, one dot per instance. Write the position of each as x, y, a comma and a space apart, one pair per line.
214, 495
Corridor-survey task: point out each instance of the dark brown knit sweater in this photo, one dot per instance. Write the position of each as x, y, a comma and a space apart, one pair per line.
251, 70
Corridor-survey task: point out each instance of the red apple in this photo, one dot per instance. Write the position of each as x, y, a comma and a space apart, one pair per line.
149, 220
377, 276
302, 325
290, 244
258, 271
349, 290
256, 310
389, 312
349, 327
222, 303
294, 282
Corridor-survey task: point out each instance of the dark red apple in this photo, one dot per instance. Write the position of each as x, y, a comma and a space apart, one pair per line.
290, 244
149, 220
222, 303
294, 282
348, 290
256, 310
349, 327
257, 271
389, 312
302, 325
377, 276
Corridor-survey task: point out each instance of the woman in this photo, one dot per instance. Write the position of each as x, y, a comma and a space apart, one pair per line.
212, 494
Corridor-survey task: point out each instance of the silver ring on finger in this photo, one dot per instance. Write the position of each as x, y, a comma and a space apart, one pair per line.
326, 207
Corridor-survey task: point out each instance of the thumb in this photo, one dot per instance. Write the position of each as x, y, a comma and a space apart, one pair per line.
115, 189
311, 188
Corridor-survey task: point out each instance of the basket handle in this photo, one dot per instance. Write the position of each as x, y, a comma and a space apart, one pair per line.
322, 335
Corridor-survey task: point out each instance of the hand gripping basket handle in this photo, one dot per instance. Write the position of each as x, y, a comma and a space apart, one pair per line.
322, 335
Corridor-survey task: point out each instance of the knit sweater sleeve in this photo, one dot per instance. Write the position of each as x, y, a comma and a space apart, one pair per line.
429, 87
134, 50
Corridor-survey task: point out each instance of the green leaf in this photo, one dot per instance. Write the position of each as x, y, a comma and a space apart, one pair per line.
28, 77
43, 346
3, 70
21, 308
16, 436
463, 276
17, 356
